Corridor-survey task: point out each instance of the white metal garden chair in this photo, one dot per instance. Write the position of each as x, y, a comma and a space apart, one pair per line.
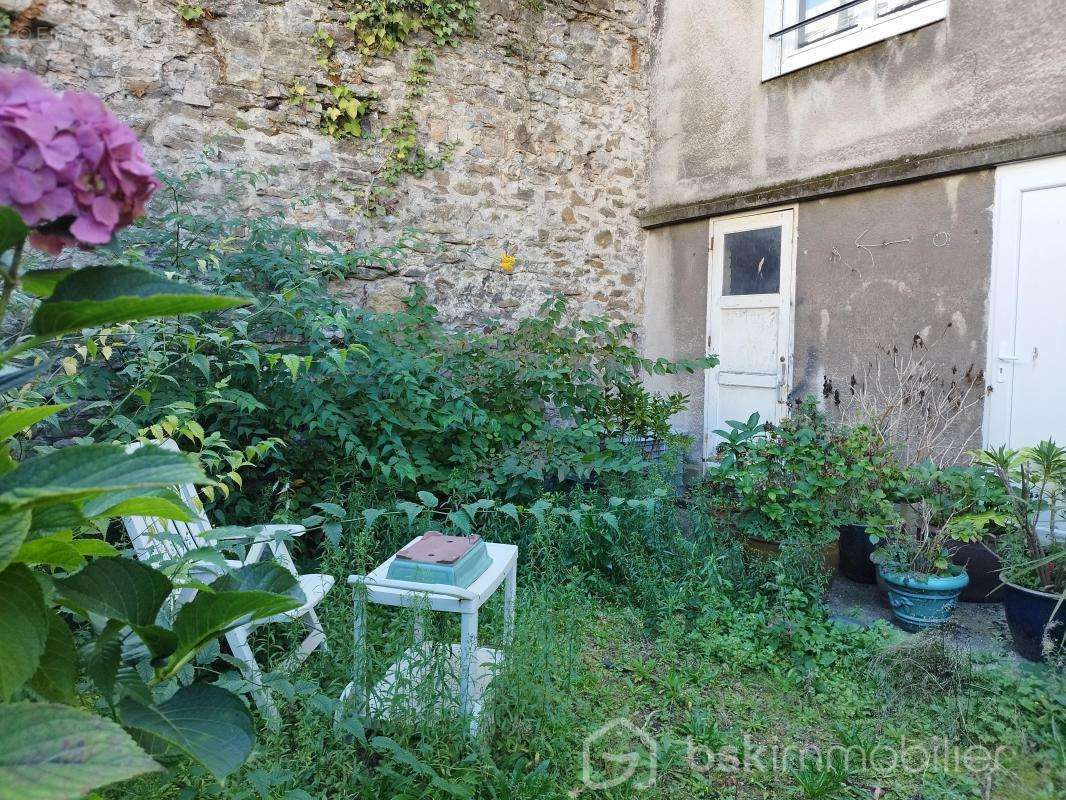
156, 539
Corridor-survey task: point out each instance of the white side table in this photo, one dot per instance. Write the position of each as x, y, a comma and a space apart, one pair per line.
475, 663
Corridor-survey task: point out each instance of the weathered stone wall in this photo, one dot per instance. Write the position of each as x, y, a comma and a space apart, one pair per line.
548, 110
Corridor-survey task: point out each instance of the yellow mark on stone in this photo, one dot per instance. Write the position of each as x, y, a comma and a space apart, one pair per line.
507, 263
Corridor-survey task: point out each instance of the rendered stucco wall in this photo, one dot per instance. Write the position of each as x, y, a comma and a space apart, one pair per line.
873, 269
675, 296
992, 72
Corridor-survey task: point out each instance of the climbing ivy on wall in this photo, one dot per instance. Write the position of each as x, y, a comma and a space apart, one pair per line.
379, 29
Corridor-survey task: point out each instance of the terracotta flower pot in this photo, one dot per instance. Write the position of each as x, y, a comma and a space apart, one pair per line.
762, 548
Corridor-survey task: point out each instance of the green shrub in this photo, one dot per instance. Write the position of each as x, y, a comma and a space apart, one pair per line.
793, 482
394, 397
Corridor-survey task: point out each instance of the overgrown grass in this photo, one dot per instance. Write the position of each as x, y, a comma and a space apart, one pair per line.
671, 631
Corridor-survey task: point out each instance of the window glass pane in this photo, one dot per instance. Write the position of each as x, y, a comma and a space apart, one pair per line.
828, 26
888, 6
752, 262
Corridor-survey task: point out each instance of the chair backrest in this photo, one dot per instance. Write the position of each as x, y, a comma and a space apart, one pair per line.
156, 539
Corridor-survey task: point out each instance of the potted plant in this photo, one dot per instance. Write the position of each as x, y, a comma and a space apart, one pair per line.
912, 555
775, 485
872, 471
642, 418
978, 500
1034, 553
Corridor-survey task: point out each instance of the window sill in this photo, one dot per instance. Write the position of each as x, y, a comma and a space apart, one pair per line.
776, 64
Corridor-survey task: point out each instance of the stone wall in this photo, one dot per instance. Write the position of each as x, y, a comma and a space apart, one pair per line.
547, 109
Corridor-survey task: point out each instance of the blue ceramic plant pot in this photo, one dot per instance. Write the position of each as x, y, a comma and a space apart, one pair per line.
922, 603
1029, 617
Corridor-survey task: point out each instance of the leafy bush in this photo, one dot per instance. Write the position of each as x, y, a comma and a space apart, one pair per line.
1033, 481
794, 482
391, 397
55, 584
939, 506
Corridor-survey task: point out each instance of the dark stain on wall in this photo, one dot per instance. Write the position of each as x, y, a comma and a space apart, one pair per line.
877, 268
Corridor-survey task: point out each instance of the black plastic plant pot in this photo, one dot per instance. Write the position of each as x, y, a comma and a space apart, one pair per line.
983, 566
1029, 617
855, 550
651, 446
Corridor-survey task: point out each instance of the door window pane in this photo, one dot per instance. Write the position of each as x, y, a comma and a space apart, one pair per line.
752, 262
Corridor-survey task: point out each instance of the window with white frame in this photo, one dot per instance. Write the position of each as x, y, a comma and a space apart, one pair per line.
802, 32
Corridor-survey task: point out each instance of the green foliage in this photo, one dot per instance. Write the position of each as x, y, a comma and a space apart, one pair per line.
1033, 482
191, 12
795, 482
52, 579
49, 751
379, 28
939, 505
634, 412
342, 113
395, 397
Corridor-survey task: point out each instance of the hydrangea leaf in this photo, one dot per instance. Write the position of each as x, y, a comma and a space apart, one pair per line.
107, 295
203, 721
23, 628
56, 752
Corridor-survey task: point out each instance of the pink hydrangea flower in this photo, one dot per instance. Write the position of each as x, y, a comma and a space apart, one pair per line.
71, 170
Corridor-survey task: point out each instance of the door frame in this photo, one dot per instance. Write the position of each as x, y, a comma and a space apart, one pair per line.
787, 287
1012, 181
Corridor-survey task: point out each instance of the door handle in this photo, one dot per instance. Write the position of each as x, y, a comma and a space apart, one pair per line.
1010, 358
782, 381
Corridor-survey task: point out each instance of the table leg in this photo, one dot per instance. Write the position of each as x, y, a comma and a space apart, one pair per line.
418, 633
467, 661
509, 589
356, 699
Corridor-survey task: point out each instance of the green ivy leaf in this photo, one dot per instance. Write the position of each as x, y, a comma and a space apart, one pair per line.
106, 295
203, 721
55, 752
23, 628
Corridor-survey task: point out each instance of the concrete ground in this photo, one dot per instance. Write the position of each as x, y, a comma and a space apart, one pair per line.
978, 627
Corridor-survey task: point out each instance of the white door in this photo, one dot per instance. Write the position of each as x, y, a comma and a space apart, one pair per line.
749, 319
1027, 323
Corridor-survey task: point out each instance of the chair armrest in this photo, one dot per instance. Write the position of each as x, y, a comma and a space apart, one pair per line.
287, 529
260, 540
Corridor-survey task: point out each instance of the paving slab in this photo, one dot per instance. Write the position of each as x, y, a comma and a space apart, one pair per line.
976, 627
